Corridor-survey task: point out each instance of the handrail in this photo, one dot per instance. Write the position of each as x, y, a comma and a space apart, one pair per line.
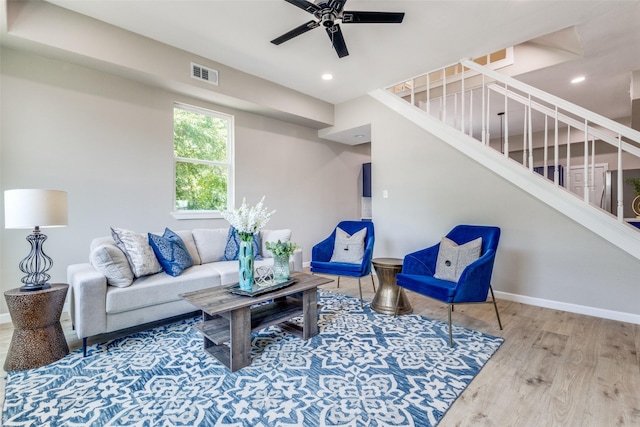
469, 78
572, 122
552, 99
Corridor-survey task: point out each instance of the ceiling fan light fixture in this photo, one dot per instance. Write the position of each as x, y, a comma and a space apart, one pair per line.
328, 19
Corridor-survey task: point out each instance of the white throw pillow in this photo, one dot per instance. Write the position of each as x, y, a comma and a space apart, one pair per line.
454, 258
211, 243
272, 236
349, 249
136, 247
112, 263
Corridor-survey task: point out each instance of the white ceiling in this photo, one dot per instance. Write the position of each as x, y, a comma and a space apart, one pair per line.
237, 33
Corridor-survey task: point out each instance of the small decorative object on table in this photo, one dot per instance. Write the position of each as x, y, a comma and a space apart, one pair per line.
281, 251
247, 221
635, 204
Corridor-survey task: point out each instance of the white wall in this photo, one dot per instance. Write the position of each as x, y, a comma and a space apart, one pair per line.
432, 187
108, 141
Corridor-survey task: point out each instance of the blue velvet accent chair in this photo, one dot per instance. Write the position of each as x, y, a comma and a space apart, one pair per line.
474, 283
322, 252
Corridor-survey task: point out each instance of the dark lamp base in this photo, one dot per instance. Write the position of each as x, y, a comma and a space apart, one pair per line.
32, 287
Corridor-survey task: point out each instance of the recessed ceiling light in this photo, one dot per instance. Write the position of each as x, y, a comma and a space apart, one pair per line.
578, 79
327, 76
360, 135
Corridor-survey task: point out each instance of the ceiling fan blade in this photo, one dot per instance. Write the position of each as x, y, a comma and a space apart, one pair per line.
337, 39
337, 5
295, 32
305, 5
353, 17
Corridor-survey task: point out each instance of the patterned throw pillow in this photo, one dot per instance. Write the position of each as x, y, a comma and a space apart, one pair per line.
349, 249
171, 251
138, 252
454, 258
233, 246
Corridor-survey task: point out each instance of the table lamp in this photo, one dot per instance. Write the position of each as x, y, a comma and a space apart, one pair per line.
35, 209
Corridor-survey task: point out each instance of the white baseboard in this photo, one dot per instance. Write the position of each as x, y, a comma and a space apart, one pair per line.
5, 318
572, 308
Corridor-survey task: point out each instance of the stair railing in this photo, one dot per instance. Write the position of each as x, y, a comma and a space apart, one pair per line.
478, 101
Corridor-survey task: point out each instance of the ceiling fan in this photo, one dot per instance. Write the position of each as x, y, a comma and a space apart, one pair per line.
327, 12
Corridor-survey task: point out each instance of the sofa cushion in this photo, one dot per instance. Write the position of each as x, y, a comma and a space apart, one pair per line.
454, 258
210, 243
349, 249
232, 249
171, 252
160, 288
272, 236
109, 260
137, 250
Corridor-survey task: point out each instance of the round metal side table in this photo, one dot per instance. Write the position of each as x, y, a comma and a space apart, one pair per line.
385, 299
37, 338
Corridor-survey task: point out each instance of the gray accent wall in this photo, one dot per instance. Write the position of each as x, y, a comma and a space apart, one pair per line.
107, 140
432, 187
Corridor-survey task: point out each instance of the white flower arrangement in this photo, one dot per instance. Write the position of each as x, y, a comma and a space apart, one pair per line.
248, 221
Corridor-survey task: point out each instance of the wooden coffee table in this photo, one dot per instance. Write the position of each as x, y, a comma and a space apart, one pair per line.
228, 319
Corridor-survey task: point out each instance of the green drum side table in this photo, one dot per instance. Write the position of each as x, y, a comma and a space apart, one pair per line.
385, 299
37, 338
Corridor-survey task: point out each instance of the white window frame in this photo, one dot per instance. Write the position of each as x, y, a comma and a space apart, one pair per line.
229, 164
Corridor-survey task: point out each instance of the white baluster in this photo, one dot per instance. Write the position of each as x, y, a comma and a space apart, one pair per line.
506, 121
530, 137
586, 163
546, 145
524, 139
619, 196
556, 172
462, 105
567, 172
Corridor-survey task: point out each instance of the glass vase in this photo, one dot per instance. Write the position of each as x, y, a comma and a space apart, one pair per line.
280, 268
245, 268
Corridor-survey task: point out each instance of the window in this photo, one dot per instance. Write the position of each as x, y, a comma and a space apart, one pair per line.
203, 160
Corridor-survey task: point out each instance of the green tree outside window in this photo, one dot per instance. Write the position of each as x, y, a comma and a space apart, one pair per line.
202, 143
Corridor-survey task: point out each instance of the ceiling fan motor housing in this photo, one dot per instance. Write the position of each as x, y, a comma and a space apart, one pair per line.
327, 17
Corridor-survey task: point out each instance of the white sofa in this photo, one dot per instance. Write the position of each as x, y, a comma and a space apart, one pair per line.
102, 302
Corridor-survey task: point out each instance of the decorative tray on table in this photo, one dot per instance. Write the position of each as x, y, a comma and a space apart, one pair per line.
261, 289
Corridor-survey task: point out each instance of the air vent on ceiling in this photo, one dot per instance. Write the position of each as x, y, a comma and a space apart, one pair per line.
208, 75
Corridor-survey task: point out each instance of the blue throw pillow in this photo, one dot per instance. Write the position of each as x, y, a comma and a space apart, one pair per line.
233, 246
171, 252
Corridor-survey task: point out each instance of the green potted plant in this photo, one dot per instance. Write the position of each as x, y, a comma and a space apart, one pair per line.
635, 204
281, 251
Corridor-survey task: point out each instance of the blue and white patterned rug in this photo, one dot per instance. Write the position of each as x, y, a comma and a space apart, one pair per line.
363, 369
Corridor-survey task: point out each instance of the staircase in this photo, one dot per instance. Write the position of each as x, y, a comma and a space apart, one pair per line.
541, 143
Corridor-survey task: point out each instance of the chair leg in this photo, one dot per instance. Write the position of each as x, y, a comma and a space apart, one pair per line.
450, 327
360, 288
338, 282
372, 282
495, 306
84, 347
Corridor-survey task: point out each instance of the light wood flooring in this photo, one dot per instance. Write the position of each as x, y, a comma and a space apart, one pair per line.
554, 368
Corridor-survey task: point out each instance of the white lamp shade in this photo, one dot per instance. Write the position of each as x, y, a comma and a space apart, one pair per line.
31, 208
